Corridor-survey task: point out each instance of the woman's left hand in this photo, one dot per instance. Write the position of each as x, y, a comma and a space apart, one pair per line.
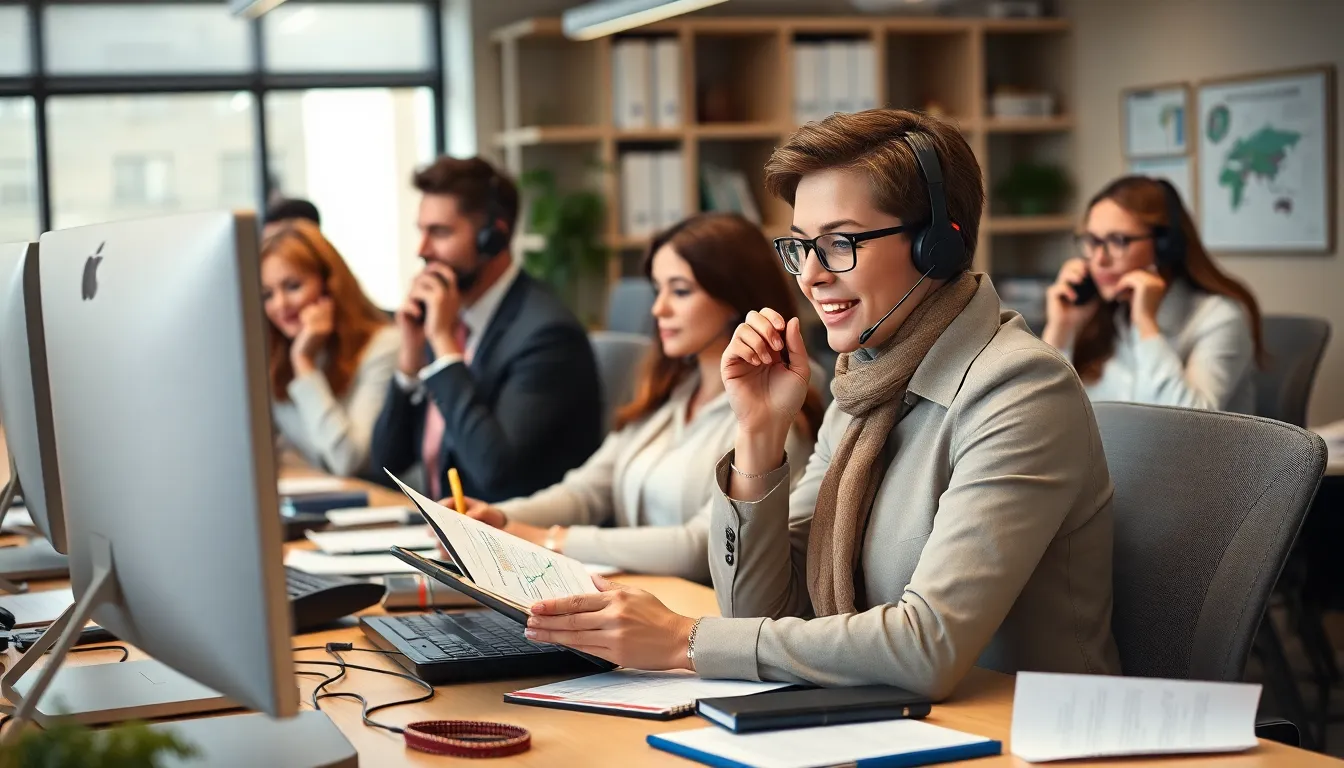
1144, 291
621, 624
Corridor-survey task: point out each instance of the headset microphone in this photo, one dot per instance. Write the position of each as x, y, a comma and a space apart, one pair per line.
868, 334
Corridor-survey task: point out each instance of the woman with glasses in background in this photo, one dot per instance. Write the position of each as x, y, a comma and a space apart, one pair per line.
1144, 315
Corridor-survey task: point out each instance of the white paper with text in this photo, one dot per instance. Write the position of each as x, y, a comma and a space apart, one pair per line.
1061, 717
500, 562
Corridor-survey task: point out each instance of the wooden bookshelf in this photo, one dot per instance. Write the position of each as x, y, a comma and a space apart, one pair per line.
557, 97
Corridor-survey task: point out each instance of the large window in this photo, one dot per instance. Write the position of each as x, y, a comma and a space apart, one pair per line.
19, 218
141, 107
352, 153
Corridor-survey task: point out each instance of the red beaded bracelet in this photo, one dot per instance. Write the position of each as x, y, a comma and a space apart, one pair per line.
465, 738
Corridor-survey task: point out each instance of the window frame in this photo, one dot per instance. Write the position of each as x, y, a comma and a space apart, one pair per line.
40, 86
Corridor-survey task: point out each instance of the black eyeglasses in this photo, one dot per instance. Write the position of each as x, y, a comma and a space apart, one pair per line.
835, 250
1116, 244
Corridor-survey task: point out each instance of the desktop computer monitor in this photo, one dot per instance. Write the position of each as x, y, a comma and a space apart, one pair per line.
156, 352
25, 413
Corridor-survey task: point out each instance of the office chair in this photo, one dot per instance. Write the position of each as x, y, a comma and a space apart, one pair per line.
1283, 391
1207, 506
630, 307
619, 356
1296, 346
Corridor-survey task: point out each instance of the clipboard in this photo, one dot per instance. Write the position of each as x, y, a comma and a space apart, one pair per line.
450, 576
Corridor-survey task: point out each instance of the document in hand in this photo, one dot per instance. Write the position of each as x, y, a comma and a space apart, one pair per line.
501, 564
1062, 717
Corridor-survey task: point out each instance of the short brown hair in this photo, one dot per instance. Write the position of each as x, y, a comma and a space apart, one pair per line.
469, 180
871, 141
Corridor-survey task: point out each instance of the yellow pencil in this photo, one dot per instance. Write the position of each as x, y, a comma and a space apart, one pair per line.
459, 498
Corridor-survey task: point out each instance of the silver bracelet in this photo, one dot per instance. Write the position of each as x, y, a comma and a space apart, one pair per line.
748, 475
690, 642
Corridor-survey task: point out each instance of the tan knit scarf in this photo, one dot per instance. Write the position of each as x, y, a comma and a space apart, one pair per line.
873, 392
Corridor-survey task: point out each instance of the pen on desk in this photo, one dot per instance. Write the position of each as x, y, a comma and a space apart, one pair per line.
459, 498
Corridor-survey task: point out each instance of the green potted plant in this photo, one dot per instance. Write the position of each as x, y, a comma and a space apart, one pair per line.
1032, 189
567, 228
70, 745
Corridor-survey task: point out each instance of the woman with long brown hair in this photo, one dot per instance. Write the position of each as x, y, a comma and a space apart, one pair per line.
332, 352
653, 477
1145, 315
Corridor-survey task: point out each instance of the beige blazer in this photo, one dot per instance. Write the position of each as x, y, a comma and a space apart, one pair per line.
613, 488
989, 541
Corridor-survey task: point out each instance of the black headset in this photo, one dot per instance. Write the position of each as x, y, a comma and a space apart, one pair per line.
937, 247
491, 238
1169, 241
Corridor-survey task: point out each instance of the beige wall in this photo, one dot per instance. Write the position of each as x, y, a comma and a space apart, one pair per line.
1122, 43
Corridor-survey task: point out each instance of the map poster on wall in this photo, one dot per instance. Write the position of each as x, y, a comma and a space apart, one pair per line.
1156, 120
1266, 153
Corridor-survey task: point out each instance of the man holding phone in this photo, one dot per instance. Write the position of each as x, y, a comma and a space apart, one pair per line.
495, 375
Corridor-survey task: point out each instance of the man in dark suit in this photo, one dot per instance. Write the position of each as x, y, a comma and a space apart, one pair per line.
496, 376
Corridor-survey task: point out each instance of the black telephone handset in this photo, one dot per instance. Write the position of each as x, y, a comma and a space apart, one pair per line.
1084, 290
421, 305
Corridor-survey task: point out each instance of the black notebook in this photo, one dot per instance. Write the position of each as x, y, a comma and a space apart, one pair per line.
812, 707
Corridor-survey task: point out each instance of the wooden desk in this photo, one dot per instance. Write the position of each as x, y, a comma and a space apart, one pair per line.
982, 705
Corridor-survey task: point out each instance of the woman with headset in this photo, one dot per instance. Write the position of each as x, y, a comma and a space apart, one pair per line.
332, 352
650, 478
957, 510
1145, 315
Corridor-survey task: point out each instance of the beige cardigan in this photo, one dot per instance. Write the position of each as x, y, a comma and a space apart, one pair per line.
333, 433
609, 490
989, 541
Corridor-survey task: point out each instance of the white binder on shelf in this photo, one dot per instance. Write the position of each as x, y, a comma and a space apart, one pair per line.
666, 78
808, 80
637, 199
839, 86
865, 76
671, 180
632, 99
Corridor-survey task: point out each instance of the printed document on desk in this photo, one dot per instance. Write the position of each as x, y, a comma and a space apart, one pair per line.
1062, 717
376, 541
501, 563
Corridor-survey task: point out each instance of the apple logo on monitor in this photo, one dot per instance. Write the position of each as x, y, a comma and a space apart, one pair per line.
91, 273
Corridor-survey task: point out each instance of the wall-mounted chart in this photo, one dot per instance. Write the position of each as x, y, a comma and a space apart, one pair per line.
1266, 162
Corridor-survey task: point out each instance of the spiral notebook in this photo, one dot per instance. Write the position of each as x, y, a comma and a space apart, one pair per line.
635, 693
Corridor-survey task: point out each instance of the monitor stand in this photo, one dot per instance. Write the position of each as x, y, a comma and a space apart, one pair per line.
36, 560
109, 693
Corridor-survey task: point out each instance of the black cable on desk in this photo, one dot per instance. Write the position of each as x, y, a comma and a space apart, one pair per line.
335, 649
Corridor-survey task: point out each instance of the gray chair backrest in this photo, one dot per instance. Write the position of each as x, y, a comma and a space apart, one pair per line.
1295, 346
630, 306
619, 356
1207, 505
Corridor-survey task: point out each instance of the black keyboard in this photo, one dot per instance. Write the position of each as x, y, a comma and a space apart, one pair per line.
316, 601
466, 646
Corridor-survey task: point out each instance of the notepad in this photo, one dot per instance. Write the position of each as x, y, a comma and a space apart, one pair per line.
361, 516
890, 742
322, 564
303, 486
1062, 717
377, 541
636, 693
